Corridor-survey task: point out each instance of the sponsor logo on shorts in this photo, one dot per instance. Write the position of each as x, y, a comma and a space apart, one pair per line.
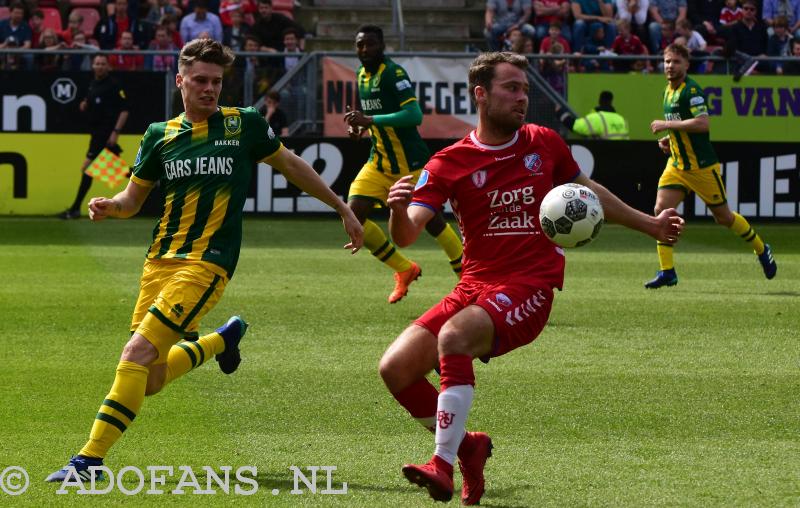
177, 309
503, 300
526, 309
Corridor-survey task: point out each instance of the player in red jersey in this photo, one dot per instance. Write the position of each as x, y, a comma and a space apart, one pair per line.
495, 179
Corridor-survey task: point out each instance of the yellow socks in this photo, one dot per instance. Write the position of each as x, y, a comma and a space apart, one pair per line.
742, 228
665, 251
383, 249
118, 409
187, 355
450, 243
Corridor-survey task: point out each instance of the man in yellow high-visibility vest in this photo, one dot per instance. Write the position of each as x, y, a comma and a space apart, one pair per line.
602, 123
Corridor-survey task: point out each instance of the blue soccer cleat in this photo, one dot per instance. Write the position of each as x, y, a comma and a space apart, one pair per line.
232, 332
81, 465
663, 278
768, 262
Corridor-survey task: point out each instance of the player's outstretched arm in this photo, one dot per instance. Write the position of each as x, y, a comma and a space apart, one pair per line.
297, 171
125, 204
666, 227
405, 223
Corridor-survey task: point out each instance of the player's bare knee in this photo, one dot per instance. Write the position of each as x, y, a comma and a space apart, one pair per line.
722, 218
451, 342
139, 350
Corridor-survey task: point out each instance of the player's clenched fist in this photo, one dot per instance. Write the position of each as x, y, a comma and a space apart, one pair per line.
100, 208
400, 193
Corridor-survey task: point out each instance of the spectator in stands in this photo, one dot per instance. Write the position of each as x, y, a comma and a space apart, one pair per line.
74, 23
170, 22
664, 10
634, 12
192, 25
14, 31
704, 15
49, 41
749, 36
554, 37
788, 8
126, 62
80, 62
596, 45
792, 68
252, 44
690, 38
108, 31
589, 16
504, 15
161, 42
269, 27
667, 37
230, 6
730, 13
37, 28
233, 34
513, 39
626, 43
548, 11
274, 115
159, 8
554, 71
291, 47
779, 43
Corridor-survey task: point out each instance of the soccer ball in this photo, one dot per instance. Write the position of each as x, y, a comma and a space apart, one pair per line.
571, 215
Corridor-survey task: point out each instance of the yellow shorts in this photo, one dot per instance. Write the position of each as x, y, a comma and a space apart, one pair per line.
705, 182
174, 296
373, 185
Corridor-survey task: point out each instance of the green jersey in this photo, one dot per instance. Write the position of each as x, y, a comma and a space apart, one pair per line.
689, 150
204, 170
395, 150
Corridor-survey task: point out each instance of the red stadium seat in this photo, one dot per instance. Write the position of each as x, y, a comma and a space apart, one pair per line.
90, 19
283, 5
85, 3
5, 12
52, 19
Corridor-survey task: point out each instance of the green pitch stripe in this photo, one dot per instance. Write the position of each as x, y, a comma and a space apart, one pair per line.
113, 404
111, 420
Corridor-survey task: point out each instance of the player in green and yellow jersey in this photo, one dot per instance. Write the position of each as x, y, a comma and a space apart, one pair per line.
203, 160
693, 165
391, 114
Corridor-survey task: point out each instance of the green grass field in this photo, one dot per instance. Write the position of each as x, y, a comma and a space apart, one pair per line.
686, 396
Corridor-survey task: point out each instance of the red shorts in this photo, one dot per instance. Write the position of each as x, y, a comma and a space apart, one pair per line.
519, 311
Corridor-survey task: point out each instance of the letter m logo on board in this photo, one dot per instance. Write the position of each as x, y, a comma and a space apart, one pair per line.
63, 90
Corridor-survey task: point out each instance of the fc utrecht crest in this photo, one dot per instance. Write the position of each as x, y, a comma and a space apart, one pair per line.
533, 163
479, 178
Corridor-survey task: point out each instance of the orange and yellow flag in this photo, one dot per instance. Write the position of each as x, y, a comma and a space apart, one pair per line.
109, 168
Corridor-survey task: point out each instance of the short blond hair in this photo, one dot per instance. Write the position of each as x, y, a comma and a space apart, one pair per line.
205, 50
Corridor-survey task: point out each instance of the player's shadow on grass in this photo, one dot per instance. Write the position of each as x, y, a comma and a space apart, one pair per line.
284, 482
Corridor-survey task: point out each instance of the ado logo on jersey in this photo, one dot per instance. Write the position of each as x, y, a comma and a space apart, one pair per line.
233, 125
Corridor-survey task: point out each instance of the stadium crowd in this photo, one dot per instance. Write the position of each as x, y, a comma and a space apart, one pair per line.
741, 30
736, 29
243, 25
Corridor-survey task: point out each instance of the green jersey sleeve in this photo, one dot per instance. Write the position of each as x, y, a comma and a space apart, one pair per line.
147, 167
696, 100
402, 85
262, 140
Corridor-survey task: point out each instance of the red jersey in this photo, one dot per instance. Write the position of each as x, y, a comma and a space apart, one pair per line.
495, 192
630, 46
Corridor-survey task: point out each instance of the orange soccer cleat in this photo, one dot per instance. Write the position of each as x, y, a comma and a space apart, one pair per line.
403, 280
